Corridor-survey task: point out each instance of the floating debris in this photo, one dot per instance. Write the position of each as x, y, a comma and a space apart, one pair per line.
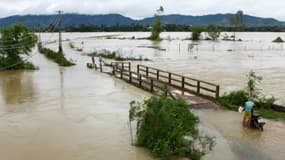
153, 47
278, 40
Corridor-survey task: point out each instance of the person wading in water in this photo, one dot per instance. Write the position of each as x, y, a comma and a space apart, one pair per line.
248, 110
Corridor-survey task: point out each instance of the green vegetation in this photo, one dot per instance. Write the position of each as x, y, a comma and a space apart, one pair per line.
115, 56
278, 40
196, 32
153, 47
237, 22
157, 26
57, 57
166, 27
252, 85
15, 42
233, 100
167, 128
263, 105
213, 32
72, 46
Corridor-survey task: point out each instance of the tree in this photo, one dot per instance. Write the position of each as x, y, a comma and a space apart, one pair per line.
157, 26
196, 32
214, 32
252, 85
15, 42
237, 22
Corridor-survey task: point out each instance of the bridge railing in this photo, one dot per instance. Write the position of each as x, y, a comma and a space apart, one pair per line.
141, 81
121, 65
183, 83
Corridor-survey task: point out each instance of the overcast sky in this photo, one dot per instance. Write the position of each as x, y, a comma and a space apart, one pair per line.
144, 8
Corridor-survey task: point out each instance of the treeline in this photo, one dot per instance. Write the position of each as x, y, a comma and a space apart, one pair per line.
105, 28
168, 28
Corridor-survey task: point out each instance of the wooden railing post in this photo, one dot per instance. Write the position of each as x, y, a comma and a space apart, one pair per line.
183, 85
123, 66
129, 66
138, 69
151, 85
198, 87
113, 70
217, 92
130, 76
140, 80
169, 78
157, 75
121, 73
147, 71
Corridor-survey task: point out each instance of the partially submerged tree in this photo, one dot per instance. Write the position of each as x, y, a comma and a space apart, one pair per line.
157, 25
196, 32
237, 22
214, 32
15, 42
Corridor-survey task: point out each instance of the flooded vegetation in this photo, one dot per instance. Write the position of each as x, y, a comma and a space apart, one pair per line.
76, 113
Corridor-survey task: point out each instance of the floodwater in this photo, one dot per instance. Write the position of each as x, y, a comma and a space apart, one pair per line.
242, 143
79, 114
224, 63
65, 114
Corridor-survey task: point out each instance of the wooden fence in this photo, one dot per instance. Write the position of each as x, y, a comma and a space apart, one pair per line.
183, 83
153, 79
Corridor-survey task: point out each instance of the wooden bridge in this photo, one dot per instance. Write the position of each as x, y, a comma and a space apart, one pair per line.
197, 93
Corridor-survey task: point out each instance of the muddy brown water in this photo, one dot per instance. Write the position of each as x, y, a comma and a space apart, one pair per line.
65, 114
79, 114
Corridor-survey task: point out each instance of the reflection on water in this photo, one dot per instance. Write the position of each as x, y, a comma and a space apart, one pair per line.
69, 114
17, 87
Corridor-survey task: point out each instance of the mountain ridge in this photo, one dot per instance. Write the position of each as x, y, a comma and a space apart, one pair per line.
73, 19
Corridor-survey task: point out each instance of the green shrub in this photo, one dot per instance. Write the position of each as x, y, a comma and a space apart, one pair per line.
213, 32
265, 103
196, 32
162, 125
233, 100
57, 57
115, 56
20, 64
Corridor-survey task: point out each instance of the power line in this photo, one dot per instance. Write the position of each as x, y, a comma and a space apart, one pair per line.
51, 27
16, 46
18, 63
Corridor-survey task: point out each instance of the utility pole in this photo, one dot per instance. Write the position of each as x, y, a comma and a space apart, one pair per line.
39, 40
59, 32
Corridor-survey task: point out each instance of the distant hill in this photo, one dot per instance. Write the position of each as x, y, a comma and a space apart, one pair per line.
117, 19
216, 19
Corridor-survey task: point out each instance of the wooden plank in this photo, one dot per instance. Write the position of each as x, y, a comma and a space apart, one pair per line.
207, 89
152, 73
190, 85
176, 80
162, 76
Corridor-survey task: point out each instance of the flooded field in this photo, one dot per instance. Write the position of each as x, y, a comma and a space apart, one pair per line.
79, 114
224, 62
